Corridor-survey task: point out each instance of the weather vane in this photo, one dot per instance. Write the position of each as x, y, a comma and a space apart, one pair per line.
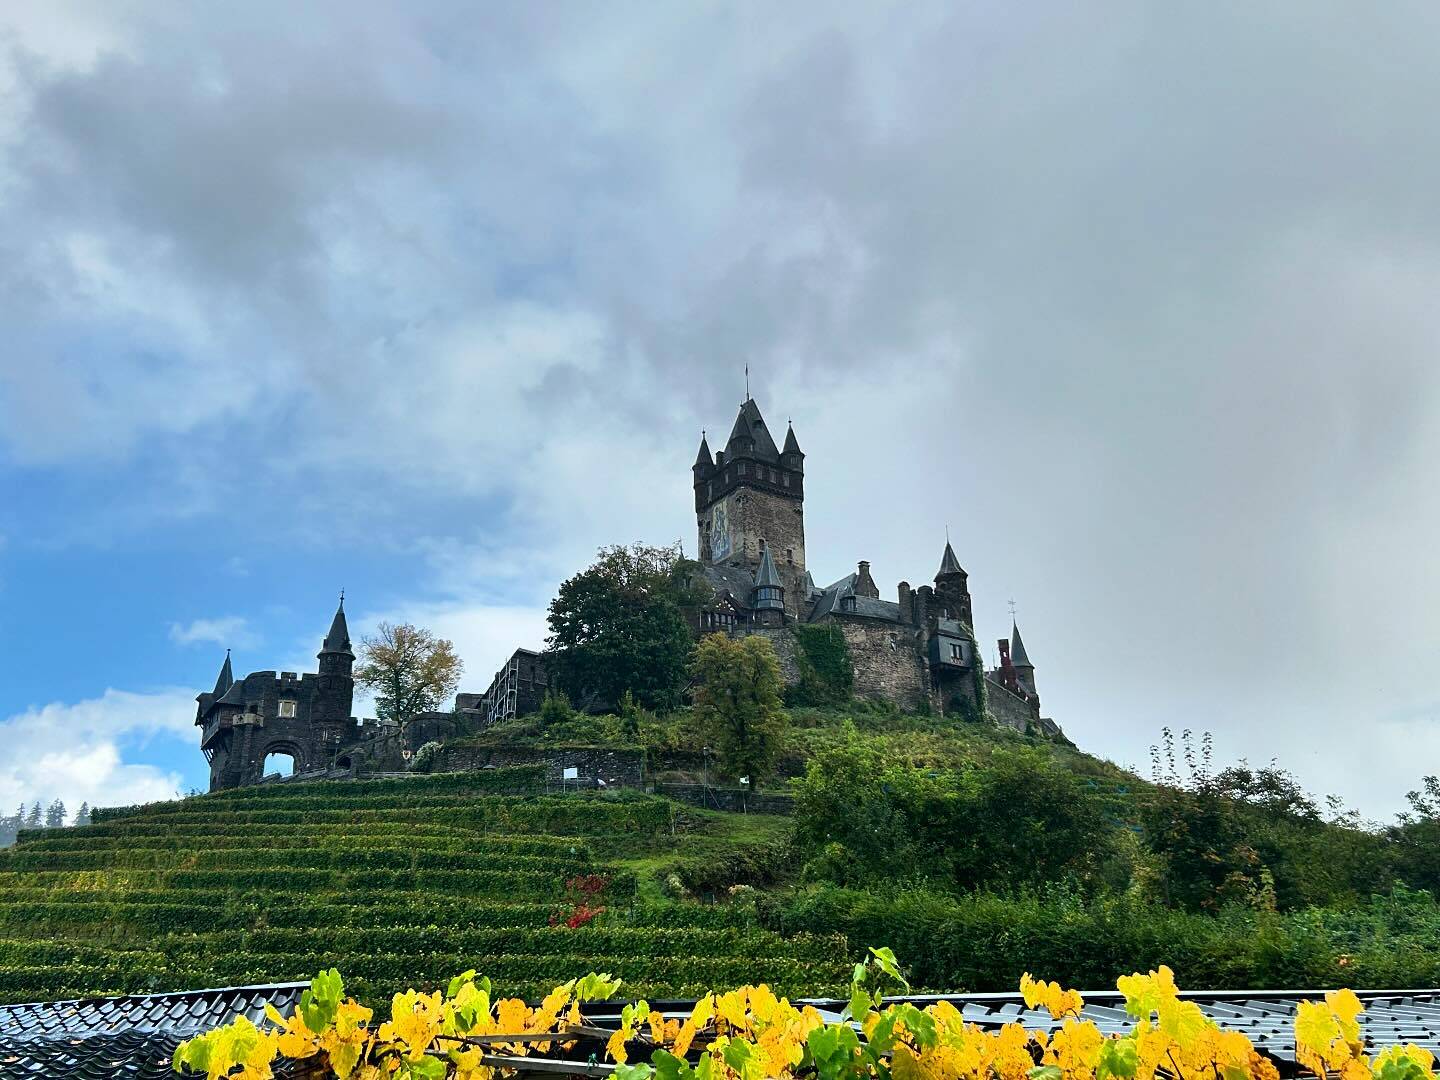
1012, 608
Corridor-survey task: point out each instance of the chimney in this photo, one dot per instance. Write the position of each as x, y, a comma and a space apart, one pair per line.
864, 583
907, 611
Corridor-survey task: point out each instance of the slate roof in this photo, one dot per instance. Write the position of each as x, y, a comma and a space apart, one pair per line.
949, 564
829, 603
765, 576
750, 424
133, 1037
792, 444
225, 679
1017, 648
338, 639
738, 581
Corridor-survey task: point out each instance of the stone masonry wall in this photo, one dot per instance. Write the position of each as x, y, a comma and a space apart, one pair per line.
618, 768
887, 663
785, 645
1006, 708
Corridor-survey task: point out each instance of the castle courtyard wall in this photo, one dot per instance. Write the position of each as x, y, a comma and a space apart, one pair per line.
886, 662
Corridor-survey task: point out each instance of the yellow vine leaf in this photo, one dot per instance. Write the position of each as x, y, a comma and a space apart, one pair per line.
1058, 1001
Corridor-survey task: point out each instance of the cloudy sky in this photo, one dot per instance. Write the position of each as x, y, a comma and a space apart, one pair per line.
1138, 300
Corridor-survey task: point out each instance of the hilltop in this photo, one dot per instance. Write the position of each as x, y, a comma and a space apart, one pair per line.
409, 880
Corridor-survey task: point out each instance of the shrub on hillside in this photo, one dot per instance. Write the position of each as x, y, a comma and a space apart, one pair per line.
1017, 820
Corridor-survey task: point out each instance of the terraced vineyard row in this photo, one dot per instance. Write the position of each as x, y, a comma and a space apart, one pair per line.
405, 884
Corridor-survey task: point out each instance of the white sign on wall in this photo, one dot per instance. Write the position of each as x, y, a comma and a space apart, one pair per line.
572, 773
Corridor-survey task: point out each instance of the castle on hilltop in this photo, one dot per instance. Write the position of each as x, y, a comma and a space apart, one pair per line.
916, 650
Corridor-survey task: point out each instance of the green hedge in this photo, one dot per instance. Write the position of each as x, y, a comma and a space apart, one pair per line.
335, 839
517, 884
152, 913
374, 976
984, 943
297, 858
561, 815
512, 780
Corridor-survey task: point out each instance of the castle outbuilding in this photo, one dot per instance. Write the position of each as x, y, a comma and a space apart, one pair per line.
918, 649
305, 717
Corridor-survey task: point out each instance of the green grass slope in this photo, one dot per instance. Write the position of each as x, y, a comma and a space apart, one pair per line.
395, 882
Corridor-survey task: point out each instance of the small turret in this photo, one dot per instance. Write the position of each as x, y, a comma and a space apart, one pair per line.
1024, 669
336, 656
768, 596
951, 591
791, 456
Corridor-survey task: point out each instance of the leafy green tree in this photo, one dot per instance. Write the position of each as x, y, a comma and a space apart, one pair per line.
620, 625
410, 669
55, 815
33, 819
82, 816
738, 702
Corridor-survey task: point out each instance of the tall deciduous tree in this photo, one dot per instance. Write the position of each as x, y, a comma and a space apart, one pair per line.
410, 670
737, 699
619, 625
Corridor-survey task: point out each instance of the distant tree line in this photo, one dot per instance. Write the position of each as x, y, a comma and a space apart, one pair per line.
53, 816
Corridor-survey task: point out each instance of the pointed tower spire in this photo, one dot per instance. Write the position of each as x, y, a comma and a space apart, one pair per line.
337, 641
703, 458
750, 437
792, 444
948, 563
225, 679
1017, 648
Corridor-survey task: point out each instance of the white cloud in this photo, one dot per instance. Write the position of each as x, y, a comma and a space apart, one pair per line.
229, 631
73, 751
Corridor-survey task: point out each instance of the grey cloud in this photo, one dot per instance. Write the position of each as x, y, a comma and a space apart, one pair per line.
1153, 284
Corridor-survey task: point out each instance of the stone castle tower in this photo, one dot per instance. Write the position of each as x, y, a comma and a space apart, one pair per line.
306, 717
750, 507
918, 649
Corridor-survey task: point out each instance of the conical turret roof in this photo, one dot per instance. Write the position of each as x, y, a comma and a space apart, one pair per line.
1017, 648
792, 444
225, 679
703, 457
338, 639
948, 563
750, 426
765, 574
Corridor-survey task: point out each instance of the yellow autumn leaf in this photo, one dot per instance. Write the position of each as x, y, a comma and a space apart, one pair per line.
1315, 1027
615, 1047
1347, 1009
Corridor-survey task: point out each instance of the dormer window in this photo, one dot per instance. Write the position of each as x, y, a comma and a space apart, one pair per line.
287, 709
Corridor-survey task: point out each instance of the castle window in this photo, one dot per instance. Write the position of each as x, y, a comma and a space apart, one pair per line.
287, 709
785, 479
743, 470
790, 554
956, 652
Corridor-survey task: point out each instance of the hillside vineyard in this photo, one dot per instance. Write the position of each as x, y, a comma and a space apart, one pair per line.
407, 881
